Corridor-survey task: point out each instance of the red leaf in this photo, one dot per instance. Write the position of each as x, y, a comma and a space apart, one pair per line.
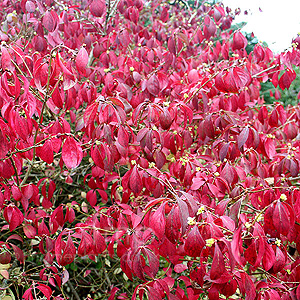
86, 246
172, 45
280, 219
218, 13
90, 113
113, 293
153, 85
153, 262
5, 258
158, 222
46, 152
135, 181
82, 59
57, 98
287, 78
68, 254
184, 214
46, 290
242, 138
28, 294
247, 286
153, 294
250, 253
208, 127
229, 173
99, 241
19, 253
209, 28
270, 149
122, 141
165, 119
71, 153
29, 231
13, 216
236, 247
91, 197
298, 292
242, 78
194, 243
197, 183
279, 261
164, 16
261, 251
239, 41
137, 265
173, 225
218, 264
269, 257
291, 130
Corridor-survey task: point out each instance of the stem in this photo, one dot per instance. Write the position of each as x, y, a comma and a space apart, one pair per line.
15, 169
39, 123
263, 71
73, 290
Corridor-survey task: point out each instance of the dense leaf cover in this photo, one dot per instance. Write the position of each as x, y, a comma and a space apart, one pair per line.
134, 131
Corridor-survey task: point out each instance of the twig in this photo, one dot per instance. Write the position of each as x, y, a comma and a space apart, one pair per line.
39, 122
73, 290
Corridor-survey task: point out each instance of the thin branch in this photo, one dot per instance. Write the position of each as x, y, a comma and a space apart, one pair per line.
73, 290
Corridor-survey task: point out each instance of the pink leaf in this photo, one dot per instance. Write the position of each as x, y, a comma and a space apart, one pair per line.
6, 60
180, 268
82, 59
97, 8
49, 21
236, 247
71, 153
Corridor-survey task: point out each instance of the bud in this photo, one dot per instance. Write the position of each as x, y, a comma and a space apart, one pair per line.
200, 210
283, 197
247, 225
296, 42
191, 221
210, 242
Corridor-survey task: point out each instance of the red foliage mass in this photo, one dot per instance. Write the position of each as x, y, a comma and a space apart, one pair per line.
153, 112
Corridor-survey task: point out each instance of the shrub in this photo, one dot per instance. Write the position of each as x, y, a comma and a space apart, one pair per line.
137, 157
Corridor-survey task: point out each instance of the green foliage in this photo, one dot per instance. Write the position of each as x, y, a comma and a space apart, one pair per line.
288, 97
